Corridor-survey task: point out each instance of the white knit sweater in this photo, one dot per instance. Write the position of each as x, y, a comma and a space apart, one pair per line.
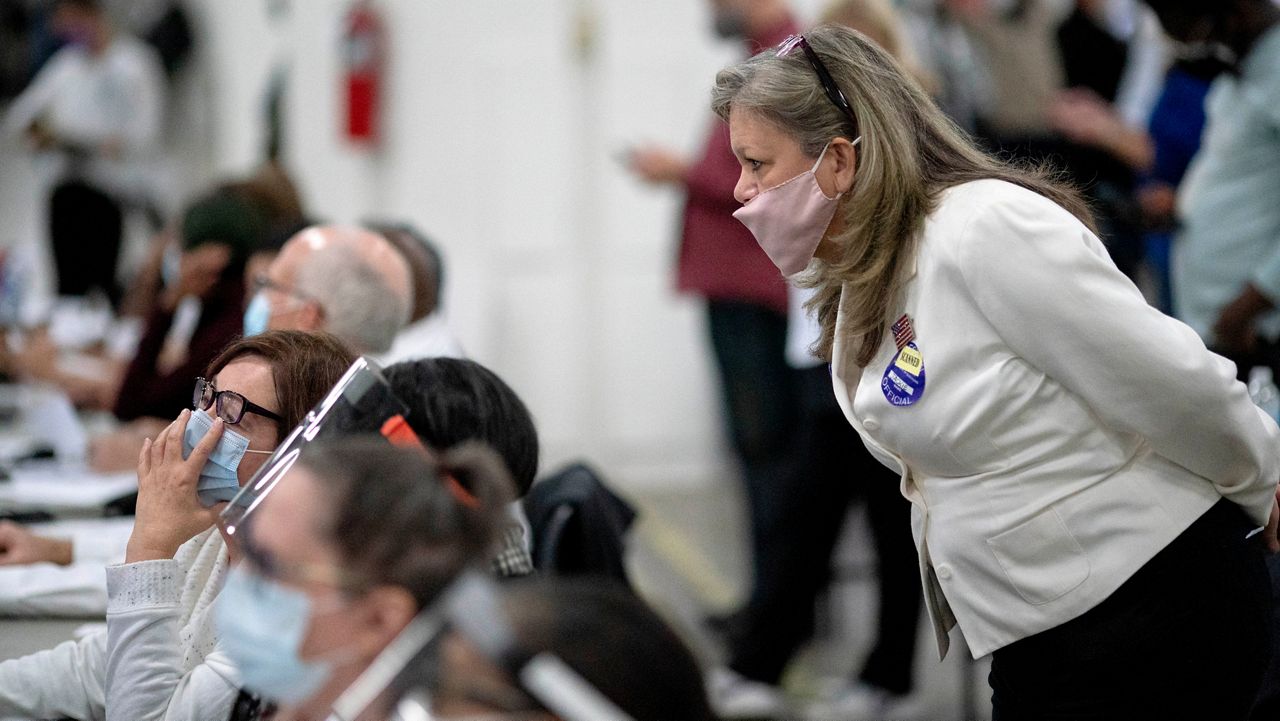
158, 658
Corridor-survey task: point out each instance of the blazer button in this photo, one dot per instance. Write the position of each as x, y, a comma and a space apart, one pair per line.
944, 571
871, 424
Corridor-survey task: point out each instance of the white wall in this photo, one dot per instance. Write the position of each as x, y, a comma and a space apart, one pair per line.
501, 127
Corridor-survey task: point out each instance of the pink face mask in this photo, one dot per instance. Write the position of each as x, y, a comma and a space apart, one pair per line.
789, 220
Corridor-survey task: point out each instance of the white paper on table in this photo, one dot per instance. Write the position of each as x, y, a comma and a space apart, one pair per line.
49, 417
59, 488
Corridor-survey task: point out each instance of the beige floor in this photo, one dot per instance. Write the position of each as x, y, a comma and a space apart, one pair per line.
688, 559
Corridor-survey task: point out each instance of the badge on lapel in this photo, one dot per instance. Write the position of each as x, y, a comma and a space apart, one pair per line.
903, 381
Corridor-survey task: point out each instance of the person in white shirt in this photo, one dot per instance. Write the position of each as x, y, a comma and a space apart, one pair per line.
1083, 472
94, 113
159, 657
427, 335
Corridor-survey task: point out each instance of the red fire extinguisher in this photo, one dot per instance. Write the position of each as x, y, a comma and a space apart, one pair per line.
363, 45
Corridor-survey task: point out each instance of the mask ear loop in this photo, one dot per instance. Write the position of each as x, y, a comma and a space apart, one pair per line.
398, 433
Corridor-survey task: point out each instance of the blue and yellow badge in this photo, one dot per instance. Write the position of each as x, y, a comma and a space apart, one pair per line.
903, 381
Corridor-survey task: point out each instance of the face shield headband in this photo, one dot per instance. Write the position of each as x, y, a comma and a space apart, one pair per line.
360, 402
471, 606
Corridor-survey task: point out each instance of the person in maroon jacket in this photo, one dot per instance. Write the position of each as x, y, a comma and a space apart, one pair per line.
219, 232
746, 304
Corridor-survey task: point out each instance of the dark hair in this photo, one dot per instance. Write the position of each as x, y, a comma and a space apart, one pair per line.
452, 400
612, 640
304, 366
398, 518
227, 216
426, 267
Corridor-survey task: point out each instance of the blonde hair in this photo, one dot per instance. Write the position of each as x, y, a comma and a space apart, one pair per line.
910, 154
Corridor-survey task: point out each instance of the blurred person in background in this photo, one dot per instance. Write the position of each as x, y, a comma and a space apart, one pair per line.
832, 468
1114, 62
192, 313
94, 113
344, 280
1175, 128
950, 65
1227, 246
604, 633
218, 234
1227, 242
746, 304
348, 546
257, 215
159, 656
1087, 479
1016, 41
427, 335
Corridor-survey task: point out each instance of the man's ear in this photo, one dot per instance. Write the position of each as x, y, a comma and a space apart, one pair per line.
311, 316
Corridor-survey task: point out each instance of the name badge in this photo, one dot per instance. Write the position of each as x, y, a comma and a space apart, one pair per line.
903, 381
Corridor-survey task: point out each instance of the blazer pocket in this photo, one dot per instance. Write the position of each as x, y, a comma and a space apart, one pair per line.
1040, 557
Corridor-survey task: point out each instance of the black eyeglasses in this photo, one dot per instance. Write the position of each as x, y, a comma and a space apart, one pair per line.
228, 405
824, 76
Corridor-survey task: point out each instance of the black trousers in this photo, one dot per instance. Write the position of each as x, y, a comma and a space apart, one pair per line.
1187, 637
1267, 708
759, 396
831, 468
85, 228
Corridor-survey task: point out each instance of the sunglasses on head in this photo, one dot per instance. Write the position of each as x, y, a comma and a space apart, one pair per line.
837, 98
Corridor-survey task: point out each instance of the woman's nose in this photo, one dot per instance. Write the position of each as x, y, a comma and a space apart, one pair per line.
745, 189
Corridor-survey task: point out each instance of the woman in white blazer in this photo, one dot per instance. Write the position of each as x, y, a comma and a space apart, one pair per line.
1083, 472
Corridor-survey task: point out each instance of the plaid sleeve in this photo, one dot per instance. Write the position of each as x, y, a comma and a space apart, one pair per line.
512, 558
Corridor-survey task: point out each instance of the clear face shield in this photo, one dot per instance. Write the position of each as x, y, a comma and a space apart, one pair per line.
472, 607
360, 402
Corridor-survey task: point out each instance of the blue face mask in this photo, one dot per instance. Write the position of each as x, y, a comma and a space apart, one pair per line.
261, 625
257, 315
218, 479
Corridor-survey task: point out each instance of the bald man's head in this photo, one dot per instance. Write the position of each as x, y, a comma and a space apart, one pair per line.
342, 279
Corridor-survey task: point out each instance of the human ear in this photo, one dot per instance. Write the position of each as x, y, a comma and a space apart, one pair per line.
846, 161
383, 613
311, 316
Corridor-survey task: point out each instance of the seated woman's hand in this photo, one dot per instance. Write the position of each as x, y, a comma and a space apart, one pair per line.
20, 546
169, 512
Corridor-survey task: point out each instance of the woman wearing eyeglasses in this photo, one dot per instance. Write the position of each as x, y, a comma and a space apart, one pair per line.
1083, 472
159, 657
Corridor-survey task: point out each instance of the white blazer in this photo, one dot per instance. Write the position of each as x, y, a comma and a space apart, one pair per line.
1064, 431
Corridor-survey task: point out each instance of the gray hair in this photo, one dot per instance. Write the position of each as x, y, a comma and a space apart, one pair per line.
360, 307
910, 153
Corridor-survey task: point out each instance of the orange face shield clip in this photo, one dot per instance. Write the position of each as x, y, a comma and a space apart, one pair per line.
398, 433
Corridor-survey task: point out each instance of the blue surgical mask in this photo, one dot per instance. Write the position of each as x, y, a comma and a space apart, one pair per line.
218, 479
261, 625
257, 315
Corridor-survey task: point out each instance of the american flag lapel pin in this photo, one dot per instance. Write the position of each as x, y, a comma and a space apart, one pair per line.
903, 333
